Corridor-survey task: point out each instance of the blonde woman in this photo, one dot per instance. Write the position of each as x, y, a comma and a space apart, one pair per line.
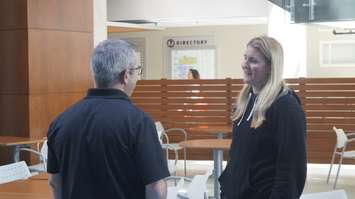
268, 152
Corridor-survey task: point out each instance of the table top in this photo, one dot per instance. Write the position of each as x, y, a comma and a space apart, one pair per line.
213, 129
25, 189
40, 176
207, 144
13, 140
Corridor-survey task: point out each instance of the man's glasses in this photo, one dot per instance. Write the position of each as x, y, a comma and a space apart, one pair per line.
138, 68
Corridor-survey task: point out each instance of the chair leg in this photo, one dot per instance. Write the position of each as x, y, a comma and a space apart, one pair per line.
339, 165
331, 163
185, 161
205, 196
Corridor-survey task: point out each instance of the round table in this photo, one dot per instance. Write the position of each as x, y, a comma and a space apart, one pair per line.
217, 145
219, 131
15, 143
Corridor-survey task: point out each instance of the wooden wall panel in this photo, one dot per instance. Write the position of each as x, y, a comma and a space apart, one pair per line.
14, 115
13, 14
13, 62
59, 61
327, 102
13, 72
13, 120
44, 61
65, 15
44, 108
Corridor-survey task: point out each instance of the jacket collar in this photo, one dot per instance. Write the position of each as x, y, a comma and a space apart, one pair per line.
108, 93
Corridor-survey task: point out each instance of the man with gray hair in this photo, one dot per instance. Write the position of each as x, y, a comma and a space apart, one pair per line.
103, 146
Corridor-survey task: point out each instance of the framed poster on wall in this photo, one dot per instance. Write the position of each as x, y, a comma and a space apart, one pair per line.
203, 60
185, 53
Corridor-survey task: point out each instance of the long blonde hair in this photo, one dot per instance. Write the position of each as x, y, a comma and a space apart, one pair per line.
273, 53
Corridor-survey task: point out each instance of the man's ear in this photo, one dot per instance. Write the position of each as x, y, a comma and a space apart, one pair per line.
125, 77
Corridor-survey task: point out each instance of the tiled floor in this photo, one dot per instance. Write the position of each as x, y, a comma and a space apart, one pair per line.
316, 178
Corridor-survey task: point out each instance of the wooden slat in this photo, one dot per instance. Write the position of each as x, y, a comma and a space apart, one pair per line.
187, 127
336, 87
192, 123
149, 82
338, 107
155, 113
147, 89
329, 94
328, 126
235, 93
196, 100
146, 100
330, 114
149, 106
236, 87
198, 106
329, 80
327, 100
331, 121
184, 114
294, 81
196, 81
147, 94
194, 88
294, 87
198, 119
200, 94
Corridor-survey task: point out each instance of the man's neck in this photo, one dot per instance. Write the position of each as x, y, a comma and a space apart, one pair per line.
117, 86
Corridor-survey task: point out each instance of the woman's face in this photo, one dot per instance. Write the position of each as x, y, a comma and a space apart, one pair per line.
189, 75
256, 69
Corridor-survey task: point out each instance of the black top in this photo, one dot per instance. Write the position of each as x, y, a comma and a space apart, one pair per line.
105, 147
268, 162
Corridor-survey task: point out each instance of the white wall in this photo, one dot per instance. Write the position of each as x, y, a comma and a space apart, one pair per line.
230, 44
293, 38
100, 18
313, 48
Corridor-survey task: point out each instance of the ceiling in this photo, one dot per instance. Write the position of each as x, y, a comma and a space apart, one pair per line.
157, 14
177, 13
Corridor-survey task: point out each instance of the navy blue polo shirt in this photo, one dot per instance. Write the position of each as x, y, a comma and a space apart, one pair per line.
105, 147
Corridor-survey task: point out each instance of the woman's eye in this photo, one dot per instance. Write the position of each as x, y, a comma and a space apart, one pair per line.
253, 61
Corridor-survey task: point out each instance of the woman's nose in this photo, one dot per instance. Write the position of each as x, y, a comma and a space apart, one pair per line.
244, 64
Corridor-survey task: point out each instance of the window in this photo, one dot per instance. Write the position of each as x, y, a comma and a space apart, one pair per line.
337, 53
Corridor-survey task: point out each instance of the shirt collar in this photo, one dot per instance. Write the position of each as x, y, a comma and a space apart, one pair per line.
107, 93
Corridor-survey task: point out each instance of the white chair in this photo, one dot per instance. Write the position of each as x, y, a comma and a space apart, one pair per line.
197, 188
337, 194
173, 190
42, 156
342, 141
13, 172
163, 135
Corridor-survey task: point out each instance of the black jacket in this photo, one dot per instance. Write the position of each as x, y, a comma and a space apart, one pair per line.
268, 162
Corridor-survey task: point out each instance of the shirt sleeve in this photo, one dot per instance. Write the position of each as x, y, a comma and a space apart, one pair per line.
52, 160
149, 155
291, 160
